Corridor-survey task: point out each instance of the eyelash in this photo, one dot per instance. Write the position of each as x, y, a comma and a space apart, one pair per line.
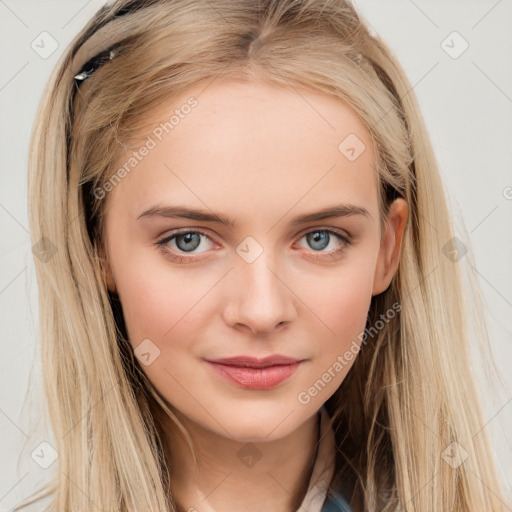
163, 247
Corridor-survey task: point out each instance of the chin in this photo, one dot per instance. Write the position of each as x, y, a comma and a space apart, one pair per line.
263, 423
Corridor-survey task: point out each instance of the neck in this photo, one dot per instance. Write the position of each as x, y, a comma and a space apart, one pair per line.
270, 475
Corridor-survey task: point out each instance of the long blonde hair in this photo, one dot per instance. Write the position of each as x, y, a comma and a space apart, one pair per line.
409, 395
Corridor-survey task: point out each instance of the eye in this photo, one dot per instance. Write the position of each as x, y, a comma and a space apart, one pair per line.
184, 242
320, 239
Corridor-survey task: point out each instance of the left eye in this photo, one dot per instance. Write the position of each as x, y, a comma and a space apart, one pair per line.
187, 241
319, 239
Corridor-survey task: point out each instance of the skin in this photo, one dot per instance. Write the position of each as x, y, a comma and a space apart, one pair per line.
260, 155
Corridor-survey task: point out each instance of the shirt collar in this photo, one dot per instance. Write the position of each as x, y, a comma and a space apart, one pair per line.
323, 469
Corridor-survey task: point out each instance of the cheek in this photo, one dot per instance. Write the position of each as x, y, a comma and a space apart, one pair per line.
164, 313
159, 303
340, 299
339, 303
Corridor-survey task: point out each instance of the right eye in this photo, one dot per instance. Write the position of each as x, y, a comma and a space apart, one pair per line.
184, 241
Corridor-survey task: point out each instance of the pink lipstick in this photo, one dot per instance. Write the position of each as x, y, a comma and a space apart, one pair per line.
255, 373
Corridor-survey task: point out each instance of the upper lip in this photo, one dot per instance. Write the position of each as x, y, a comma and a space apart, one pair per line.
255, 362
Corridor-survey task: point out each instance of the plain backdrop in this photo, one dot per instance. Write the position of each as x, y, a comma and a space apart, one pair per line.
458, 57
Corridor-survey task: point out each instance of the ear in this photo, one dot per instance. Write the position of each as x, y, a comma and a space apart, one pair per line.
108, 277
391, 241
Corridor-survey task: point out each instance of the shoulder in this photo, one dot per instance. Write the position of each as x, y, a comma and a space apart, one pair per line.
335, 502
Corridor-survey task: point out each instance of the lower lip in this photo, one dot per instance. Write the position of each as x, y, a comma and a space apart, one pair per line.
255, 378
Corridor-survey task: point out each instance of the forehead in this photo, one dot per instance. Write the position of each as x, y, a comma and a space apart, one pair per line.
251, 144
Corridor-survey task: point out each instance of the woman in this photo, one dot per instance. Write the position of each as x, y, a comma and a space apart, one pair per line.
244, 304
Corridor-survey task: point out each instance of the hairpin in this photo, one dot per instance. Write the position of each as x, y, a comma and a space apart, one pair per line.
91, 65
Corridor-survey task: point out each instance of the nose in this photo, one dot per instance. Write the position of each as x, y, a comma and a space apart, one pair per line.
259, 299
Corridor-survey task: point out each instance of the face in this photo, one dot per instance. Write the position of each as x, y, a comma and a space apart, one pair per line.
248, 275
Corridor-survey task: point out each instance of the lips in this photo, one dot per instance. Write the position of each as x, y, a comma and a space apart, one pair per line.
255, 373
254, 362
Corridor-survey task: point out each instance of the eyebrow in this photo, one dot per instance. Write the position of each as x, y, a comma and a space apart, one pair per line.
183, 212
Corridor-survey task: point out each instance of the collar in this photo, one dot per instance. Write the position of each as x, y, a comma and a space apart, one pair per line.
323, 470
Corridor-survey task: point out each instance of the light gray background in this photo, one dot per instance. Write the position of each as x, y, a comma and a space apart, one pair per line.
467, 103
